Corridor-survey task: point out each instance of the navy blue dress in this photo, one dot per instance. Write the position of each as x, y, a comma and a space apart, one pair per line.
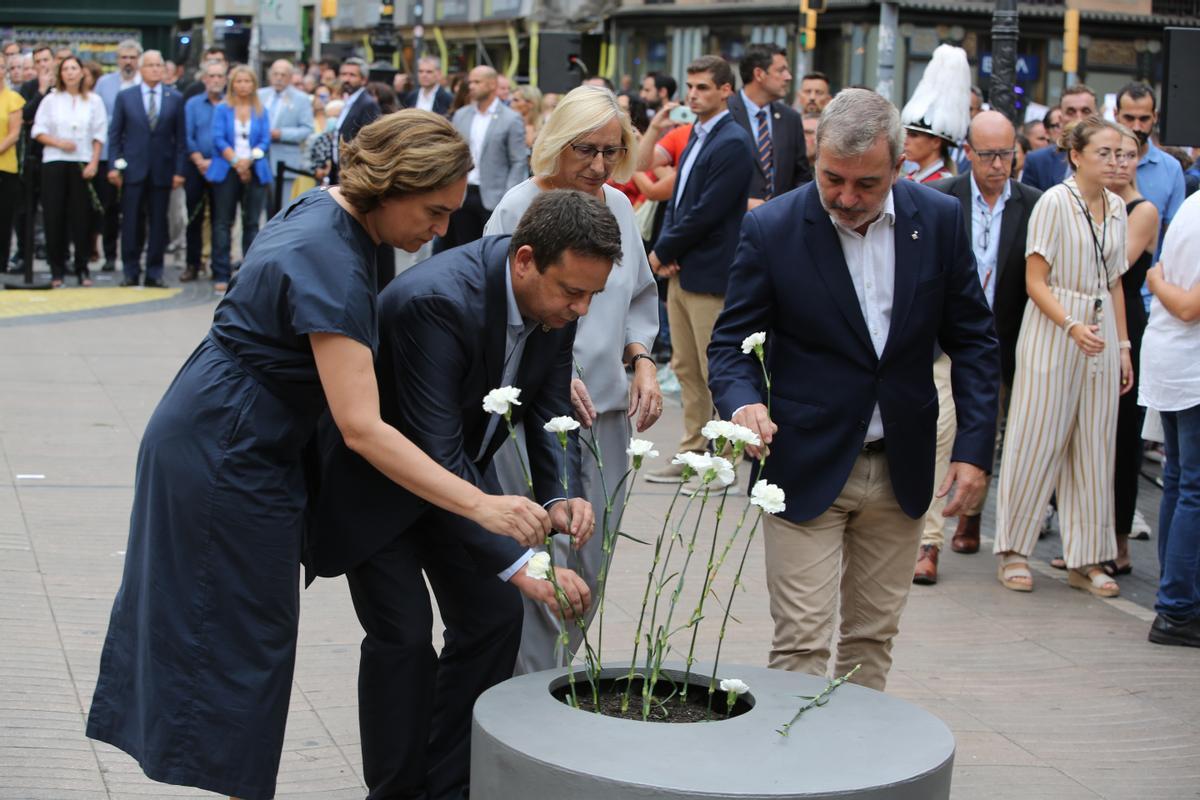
197, 666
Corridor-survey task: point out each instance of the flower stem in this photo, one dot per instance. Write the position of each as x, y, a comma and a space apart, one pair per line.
709, 575
712, 681
819, 700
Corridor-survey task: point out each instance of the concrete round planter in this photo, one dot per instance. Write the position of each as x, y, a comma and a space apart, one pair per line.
862, 744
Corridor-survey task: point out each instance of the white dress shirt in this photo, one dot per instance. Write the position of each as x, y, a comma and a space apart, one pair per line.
479, 129
752, 110
425, 99
871, 260
701, 130
72, 117
985, 236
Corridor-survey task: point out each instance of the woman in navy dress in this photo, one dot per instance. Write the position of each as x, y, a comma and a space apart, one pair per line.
197, 665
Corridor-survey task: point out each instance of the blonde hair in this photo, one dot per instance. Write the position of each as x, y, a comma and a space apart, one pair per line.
581, 111
406, 152
533, 96
230, 100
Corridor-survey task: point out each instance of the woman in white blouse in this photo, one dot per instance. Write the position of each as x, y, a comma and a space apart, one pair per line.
72, 125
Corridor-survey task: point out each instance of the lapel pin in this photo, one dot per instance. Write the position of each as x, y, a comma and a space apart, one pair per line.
545, 329
915, 236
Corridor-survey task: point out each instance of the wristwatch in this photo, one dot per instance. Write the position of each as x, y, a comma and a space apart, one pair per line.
633, 361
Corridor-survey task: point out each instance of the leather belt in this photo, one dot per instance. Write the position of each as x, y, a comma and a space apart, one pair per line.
877, 446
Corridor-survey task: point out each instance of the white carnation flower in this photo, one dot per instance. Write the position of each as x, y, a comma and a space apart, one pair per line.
257, 153
500, 401
717, 429
734, 685
120, 164
697, 462
754, 342
641, 447
538, 566
561, 425
768, 497
740, 434
723, 471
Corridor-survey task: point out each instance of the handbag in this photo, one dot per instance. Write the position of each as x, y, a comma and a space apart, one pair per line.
644, 216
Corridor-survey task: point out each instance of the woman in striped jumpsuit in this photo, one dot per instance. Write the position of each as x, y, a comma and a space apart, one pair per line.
1073, 362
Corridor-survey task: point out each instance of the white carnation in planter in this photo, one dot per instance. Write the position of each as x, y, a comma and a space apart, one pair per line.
500, 401
734, 685
768, 497
561, 425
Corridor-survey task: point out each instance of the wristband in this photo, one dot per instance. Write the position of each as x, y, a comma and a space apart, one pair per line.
1125, 345
1069, 325
633, 361
1067, 322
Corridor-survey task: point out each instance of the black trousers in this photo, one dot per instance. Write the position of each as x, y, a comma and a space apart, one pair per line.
414, 705
197, 191
1128, 462
10, 199
67, 209
110, 221
466, 224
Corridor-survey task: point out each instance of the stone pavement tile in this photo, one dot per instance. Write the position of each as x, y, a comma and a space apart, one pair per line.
1015, 783
1126, 781
985, 748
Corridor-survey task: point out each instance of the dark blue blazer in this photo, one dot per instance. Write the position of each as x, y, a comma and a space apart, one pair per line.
700, 227
364, 111
441, 100
442, 331
1044, 168
154, 156
790, 279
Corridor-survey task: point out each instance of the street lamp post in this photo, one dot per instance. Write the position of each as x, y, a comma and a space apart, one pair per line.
384, 43
1004, 59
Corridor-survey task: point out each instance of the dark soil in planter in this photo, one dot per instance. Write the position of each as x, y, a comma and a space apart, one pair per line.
667, 706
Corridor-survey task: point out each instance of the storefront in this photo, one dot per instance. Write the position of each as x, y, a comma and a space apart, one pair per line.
91, 32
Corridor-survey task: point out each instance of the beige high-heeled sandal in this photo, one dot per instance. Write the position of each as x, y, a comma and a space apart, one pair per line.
1012, 567
1093, 579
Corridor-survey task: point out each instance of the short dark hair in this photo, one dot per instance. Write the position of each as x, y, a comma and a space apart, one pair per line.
563, 219
715, 66
664, 81
1024, 143
1136, 91
1079, 88
331, 63
215, 50
637, 111
817, 76
1048, 115
758, 56
39, 47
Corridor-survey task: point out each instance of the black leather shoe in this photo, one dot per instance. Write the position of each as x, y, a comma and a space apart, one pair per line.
109, 266
1176, 631
127, 282
150, 283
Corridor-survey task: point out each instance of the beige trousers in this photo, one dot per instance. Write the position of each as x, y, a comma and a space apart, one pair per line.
861, 550
692, 316
934, 532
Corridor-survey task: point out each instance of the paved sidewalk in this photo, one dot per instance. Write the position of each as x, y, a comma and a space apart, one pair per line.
1053, 694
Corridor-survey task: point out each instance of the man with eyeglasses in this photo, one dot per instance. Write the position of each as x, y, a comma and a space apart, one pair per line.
1047, 167
496, 135
996, 209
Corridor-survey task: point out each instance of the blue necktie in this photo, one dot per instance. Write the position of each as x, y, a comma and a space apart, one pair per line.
766, 155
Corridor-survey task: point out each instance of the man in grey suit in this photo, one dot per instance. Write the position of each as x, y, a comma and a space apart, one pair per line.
775, 128
496, 135
291, 115
996, 209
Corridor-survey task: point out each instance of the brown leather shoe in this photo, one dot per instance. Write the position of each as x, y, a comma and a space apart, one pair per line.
926, 571
966, 535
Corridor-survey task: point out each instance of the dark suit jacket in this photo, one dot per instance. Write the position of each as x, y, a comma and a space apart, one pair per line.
790, 279
441, 100
155, 156
1044, 168
364, 111
700, 226
33, 99
441, 349
1008, 307
787, 145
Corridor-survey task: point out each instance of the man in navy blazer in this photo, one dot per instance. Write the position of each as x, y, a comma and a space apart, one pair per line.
147, 143
699, 235
854, 278
1048, 167
430, 96
498, 311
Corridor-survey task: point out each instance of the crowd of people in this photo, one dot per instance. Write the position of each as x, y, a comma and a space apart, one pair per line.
935, 283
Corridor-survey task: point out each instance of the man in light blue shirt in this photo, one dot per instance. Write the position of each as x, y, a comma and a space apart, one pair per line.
197, 190
1159, 176
109, 85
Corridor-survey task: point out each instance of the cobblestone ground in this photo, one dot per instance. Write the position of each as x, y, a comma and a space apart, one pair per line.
1053, 694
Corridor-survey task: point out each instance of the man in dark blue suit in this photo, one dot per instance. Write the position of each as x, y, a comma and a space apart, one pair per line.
430, 95
698, 238
147, 143
497, 312
854, 278
1048, 167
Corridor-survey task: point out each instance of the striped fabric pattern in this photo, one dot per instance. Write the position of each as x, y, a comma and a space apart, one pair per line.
766, 155
1062, 421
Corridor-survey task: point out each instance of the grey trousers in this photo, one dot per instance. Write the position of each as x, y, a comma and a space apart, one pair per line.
540, 648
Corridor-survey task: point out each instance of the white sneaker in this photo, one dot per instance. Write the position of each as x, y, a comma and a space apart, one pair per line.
1050, 521
1140, 529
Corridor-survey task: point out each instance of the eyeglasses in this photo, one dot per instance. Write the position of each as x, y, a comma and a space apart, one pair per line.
1105, 154
587, 152
989, 156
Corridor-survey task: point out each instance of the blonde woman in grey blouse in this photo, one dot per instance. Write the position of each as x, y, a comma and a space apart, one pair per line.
586, 141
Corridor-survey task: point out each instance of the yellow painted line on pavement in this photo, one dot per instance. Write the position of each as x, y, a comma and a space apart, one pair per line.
28, 303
